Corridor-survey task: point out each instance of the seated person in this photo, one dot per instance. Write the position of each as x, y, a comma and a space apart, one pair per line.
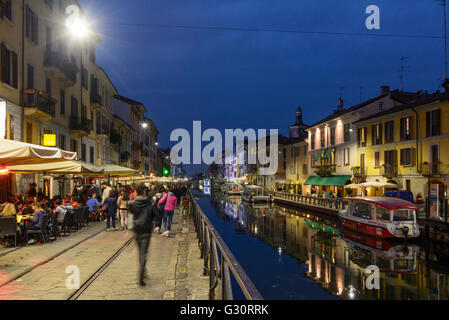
35, 223
93, 203
68, 207
74, 203
7, 210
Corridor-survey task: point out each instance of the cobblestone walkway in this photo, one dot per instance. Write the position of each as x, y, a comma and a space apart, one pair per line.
174, 267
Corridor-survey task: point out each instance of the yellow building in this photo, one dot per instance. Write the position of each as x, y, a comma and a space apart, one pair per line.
51, 85
407, 145
296, 171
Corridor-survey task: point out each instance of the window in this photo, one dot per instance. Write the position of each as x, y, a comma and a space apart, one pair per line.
376, 134
376, 159
408, 185
62, 141
48, 87
390, 159
322, 138
433, 123
292, 169
30, 80
362, 210
92, 53
83, 152
347, 132
73, 146
92, 155
11, 127
74, 108
9, 66
407, 157
389, 131
405, 128
292, 152
84, 80
304, 169
312, 141
362, 137
7, 10
382, 214
32, 25
346, 157
62, 101
332, 136
297, 151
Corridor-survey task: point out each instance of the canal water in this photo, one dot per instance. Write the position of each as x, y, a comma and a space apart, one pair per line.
291, 254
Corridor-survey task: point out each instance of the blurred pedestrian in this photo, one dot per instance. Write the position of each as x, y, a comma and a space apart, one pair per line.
143, 218
110, 207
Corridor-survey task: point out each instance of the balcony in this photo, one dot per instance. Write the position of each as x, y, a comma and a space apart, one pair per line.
389, 170
432, 169
95, 101
60, 68
80, 127
38, 105
358, 172
325, 170
103, 132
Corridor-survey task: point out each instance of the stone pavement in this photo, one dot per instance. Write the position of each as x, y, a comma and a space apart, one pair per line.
174, 266
170, 275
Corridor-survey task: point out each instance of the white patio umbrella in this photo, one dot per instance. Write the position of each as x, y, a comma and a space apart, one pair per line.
352, 186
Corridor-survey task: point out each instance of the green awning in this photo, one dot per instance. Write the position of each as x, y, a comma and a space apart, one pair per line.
338, 181
318, 156
328, 152
313, 180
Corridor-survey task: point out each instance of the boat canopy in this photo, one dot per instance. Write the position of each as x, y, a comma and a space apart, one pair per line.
387, 203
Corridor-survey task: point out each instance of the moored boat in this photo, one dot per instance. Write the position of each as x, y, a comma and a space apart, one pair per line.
381, 217
255, 194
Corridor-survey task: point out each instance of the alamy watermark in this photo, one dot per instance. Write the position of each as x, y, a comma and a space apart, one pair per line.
73, 280
257, 152
372, 281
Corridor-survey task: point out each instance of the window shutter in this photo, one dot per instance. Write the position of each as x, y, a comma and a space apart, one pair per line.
428, 124
28, 23
436, 122
14, 69
402, 160
373, 135
4, 62
412, 156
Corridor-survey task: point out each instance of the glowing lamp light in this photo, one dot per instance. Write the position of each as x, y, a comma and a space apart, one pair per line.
77, 26
4, 172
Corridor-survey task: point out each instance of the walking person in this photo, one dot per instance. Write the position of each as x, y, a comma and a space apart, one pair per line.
122, 202
169, 210
110, 207
143, 217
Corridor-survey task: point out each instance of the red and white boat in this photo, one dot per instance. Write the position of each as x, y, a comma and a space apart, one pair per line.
381, 217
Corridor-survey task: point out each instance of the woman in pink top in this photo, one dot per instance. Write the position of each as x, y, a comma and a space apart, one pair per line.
170, 202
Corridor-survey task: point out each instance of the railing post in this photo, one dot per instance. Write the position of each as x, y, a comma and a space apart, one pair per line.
212, 272
226, 281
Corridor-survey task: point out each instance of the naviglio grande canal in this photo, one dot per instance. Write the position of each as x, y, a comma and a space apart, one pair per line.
290, 254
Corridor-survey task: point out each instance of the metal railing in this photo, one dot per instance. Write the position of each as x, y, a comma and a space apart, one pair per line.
327, 203
219, 269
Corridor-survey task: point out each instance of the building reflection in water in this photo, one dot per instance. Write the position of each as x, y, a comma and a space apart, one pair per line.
336, 259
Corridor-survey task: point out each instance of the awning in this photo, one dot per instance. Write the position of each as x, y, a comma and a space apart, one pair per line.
338, 181
16, 152
313, 180
61, 167
318, 156
328, 152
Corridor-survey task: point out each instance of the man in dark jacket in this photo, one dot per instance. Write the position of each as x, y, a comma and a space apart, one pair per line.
143, 217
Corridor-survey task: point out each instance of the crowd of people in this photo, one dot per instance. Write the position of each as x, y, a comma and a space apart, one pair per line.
108, 203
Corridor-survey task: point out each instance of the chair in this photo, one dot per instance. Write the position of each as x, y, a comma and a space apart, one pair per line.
54, 228
8, 227
85, 215
42, 232
75, 221
66, 223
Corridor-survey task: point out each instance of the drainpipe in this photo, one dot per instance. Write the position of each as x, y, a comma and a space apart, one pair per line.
22, 98
417, 138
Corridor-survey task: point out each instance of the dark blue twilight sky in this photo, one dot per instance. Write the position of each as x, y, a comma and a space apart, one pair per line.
232, 79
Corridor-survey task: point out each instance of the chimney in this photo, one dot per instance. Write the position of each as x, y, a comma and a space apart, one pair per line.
384, 90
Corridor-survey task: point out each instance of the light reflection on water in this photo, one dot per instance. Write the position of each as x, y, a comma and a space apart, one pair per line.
296, 255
